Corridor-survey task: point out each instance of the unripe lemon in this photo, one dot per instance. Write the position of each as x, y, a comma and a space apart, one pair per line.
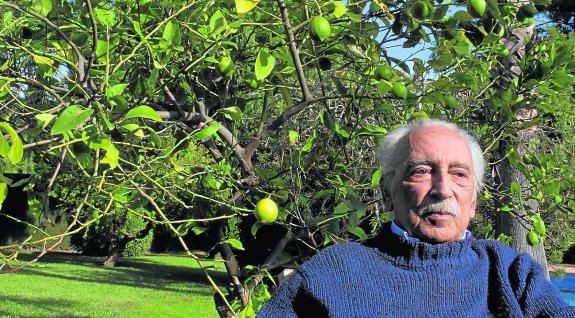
384, 72
226, 66
451, 102
532, 238
419, 10
320, 27
266, 211
528, 10
476, 8
399, 90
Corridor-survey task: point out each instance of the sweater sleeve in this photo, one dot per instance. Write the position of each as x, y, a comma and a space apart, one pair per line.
280, 305
538, 297
292, 299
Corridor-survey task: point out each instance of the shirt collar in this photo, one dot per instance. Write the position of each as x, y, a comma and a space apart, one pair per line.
402, 233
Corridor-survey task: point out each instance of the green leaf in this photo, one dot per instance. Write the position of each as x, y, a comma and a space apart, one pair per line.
131, 127
255, 227
552, 188
293, 136
206, 131
199, 230
218, 23
116, 90
309, 142
235, 244
513, 157
43, 60
170, 35
70, 118
106, 17
376, 177
339, 9
4, 146
440, 11
516, 189
44, 119
341, 209
232, 113
359, 232
3, 193
42, 7
16, 150
244, 6
561, 79
143, 112
112, 153
538, 224
265, 63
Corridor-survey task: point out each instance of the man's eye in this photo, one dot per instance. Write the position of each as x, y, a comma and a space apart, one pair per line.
421, 171
460, 174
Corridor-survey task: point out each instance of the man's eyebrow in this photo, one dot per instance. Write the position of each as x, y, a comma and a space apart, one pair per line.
426, 162
412, 163
461, 165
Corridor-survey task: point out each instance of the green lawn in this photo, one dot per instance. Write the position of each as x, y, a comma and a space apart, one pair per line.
67, 285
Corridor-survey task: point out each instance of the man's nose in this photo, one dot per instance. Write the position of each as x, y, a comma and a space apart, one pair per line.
441, 185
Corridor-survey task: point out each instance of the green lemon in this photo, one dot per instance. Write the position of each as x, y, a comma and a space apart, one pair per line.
476, 8
320, 27
532, 238
451, 102
266, 211
226, 66
399, 90
419, 10
528, 10
383, 72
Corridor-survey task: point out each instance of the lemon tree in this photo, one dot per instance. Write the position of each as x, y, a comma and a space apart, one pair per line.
180, 117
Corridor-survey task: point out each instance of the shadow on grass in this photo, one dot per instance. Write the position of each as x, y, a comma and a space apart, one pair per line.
140, 273
56, 307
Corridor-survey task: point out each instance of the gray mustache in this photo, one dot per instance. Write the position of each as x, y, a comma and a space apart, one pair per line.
435, 207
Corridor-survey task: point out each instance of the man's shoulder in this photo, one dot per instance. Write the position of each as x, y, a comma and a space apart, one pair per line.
498, 250
340, 253
342, 249
493, 246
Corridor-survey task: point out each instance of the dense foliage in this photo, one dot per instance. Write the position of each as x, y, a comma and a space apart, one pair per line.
111, 100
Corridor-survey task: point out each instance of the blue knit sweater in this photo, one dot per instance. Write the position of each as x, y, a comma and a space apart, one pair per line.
389, 276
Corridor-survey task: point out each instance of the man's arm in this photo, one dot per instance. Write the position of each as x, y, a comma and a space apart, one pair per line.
280, 305
538, 297
292, 299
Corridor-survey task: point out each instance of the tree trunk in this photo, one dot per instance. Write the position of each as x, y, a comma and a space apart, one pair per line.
120, 245
516, 225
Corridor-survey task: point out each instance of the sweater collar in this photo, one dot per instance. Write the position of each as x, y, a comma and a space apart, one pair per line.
415, 254
402, 233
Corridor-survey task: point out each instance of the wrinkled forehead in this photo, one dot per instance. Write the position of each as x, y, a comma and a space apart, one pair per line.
435, 143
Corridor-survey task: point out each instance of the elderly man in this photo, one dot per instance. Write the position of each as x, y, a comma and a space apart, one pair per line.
424, 263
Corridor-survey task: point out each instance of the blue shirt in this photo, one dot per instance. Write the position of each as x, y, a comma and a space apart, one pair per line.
402, 233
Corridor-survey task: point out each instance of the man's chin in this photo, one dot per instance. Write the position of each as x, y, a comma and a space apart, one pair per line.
436, 235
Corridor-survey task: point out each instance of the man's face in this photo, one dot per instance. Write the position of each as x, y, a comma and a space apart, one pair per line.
433, 198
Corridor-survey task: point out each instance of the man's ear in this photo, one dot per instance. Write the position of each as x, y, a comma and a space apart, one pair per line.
473, 208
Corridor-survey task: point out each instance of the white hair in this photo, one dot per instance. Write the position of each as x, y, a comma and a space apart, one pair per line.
389, 152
